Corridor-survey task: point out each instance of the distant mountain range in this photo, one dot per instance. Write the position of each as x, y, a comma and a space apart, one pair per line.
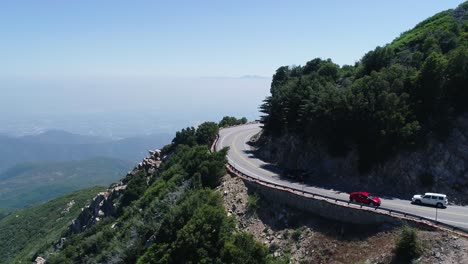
31, 183
63, 137
37, 168
59, 145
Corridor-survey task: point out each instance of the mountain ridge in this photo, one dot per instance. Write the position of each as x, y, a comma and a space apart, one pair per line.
31, 183
69, 146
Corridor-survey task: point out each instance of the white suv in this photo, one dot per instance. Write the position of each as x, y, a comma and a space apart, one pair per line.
437, 199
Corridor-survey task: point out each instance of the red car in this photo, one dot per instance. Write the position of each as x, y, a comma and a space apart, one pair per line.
365, 198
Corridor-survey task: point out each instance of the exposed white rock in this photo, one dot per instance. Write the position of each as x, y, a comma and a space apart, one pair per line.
40, 260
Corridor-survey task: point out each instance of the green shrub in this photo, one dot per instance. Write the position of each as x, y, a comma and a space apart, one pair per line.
296, 235
231, 121
186, 136
273, 247
408, 246
206, 133
243, 248
253, 202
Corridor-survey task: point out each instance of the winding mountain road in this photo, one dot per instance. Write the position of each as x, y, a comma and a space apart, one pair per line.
241, 157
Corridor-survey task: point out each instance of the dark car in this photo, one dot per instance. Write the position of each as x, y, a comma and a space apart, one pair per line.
364, 198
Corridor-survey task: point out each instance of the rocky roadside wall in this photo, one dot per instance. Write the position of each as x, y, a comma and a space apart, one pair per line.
322, 208
439, 166
339, 210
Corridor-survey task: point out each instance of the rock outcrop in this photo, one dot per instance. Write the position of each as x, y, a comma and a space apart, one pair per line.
104, 204
40, 260
438, 167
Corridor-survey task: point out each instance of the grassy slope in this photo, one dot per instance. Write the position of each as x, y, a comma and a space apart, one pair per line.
31, 183
24, 232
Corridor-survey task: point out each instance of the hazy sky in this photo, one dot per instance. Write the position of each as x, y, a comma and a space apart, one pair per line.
102, 67
124, 106
195, 38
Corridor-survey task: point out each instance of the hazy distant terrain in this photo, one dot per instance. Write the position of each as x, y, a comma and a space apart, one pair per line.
63, 146
117, 118
30, 183
37, 168
122, 107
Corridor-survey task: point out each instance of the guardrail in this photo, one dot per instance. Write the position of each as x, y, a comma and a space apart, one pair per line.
213, 146
376, 209
347, 203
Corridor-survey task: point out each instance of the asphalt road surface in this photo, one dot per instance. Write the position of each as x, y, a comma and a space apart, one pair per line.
241, 158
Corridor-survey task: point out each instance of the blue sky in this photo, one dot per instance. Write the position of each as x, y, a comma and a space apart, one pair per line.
60, 39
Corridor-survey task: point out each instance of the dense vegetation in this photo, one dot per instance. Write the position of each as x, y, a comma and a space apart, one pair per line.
228, 121
31, 183
174, 217
30, 230
393, 98
205, 134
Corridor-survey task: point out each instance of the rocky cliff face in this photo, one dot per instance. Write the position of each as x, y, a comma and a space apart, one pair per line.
437, 167
104, 204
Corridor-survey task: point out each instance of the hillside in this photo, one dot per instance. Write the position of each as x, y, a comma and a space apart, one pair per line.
164, 211
30, 230
295, 236
31, 183
63, 146
399, 114
394, 122
178, 206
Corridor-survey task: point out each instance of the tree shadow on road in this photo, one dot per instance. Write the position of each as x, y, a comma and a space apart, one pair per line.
335, 184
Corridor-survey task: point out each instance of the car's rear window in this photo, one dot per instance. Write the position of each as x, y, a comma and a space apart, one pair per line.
441, 198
